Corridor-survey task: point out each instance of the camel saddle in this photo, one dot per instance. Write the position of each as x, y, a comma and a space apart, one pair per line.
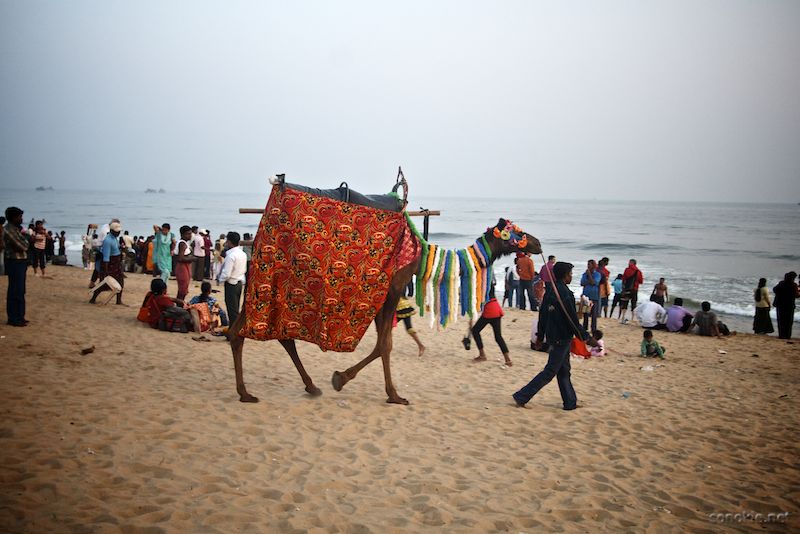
323, 260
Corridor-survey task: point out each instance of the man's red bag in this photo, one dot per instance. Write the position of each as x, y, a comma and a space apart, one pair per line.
578, 348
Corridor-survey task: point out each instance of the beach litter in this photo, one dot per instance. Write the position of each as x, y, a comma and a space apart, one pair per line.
626, 395
722, 351
87, 350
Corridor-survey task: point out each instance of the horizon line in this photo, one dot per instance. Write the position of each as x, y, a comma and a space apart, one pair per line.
433, 196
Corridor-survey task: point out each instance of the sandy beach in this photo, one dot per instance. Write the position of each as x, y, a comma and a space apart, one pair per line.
146, 433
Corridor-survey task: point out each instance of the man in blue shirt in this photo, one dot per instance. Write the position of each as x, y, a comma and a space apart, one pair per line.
590, 281
112, 262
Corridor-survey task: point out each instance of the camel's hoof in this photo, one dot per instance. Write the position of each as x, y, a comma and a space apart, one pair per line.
397, 400
314, 391
338, 380
247, 398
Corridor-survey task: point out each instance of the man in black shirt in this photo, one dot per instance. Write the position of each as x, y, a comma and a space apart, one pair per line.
558, 328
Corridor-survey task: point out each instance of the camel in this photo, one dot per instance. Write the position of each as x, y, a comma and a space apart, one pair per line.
383, 324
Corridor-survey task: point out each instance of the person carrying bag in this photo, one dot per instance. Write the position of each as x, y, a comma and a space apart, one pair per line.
559, 323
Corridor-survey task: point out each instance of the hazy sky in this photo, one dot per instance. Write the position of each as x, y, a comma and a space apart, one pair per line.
633, 100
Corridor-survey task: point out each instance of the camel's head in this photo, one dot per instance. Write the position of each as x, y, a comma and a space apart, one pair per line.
508, 238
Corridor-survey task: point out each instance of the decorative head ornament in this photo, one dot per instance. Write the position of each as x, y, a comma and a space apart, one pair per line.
508, 231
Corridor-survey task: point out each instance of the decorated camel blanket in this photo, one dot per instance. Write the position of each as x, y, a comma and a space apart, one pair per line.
321, 268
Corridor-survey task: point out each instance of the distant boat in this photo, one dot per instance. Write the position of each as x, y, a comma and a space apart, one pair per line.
43, 188
154, 191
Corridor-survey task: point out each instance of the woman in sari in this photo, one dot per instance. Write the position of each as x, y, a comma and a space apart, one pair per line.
149, 266
183, 262
163, 243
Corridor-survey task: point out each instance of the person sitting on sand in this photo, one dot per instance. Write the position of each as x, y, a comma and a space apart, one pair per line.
538, 342
492, 315
651, 315
157, 300
678, 318
650, 347
600, 349
706, 321
404, 312
215, 317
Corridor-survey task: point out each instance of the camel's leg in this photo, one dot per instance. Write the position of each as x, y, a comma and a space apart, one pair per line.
237, 344
385, 341
339, 379
383, 324
291, 348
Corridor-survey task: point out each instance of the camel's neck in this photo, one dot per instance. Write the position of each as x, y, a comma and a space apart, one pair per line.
493, 247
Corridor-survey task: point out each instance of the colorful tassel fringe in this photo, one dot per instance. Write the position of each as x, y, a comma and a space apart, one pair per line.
452, 282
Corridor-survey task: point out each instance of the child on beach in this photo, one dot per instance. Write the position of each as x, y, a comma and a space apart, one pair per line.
617, 285
600, 349
217, 316
492, 315
650, 347
404, 312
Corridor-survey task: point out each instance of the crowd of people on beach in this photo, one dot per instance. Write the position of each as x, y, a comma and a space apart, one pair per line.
564, 326
109, 252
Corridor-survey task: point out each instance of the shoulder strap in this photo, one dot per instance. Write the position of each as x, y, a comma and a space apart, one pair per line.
564, 308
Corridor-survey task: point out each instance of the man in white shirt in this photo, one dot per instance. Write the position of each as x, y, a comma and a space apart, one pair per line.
128, 240
199, 253
651, 315
233, 273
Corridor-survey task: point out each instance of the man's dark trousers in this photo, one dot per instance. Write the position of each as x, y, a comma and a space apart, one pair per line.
233, 299
15, 298
526, 286
557, 367
595, 311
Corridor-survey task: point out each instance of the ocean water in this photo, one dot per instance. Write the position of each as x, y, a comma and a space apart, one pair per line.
706, 251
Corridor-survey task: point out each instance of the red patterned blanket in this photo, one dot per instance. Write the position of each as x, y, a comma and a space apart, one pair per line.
321, 268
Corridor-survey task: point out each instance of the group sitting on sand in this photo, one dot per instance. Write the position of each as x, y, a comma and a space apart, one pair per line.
201, 314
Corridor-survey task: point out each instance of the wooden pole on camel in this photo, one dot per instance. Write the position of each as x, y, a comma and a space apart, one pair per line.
427, 214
